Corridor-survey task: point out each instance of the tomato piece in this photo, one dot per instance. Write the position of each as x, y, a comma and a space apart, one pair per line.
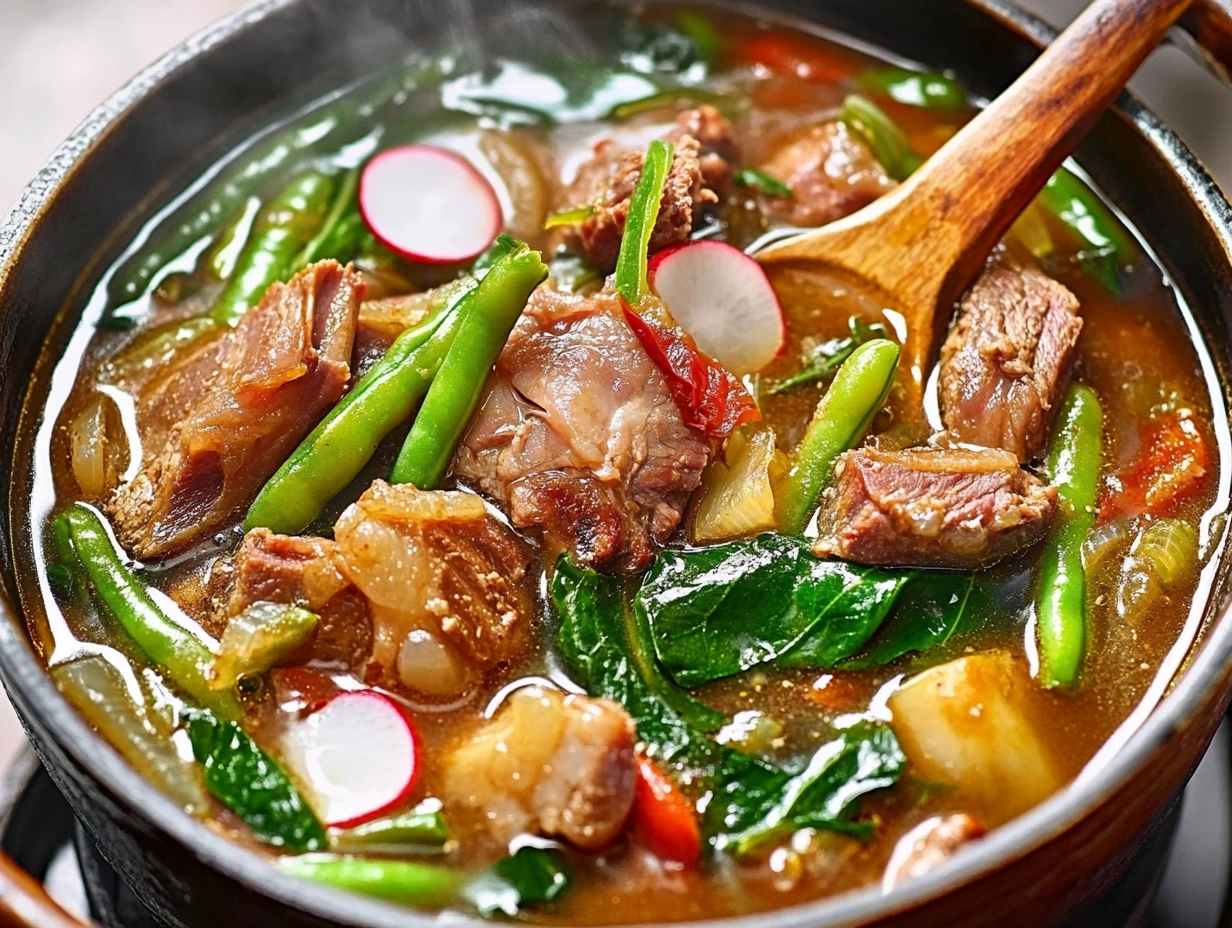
795, 56
1170, 466
710, 397
664, 817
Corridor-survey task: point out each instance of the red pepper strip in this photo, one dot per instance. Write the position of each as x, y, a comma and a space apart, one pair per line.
664, 817
710, 397
790, 55
1169, 467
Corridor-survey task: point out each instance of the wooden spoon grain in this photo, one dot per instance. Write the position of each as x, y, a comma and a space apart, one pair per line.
922, 244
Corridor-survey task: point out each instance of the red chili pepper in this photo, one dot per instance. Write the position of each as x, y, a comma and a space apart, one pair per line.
664, 817
712, 400
796, 56
1169, 467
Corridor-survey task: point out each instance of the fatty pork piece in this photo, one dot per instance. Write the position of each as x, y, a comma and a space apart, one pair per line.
424, 588
224, 418
1007, 358
966, 723
831, 173
931, 507
443, 579
701, 171
547, 764
578, 434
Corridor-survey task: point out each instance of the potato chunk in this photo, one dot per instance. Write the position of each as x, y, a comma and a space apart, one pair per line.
963, 723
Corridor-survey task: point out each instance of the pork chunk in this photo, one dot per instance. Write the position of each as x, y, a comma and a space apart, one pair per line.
578, 433
223, 419
831, 173
1007, 358
443, 580
931, 508
548, 764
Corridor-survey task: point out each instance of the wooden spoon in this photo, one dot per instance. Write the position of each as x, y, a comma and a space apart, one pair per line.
922, 244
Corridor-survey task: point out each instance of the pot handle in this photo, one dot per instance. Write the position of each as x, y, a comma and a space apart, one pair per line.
1205, 32
25, 904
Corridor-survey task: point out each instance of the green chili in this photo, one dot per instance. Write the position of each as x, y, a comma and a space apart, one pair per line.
177, 650
762, 182
341, 232
488, 315
842, 417
639, 226
1106, 244
284, 227
925, 89
425, 885
887, 141
1073, 465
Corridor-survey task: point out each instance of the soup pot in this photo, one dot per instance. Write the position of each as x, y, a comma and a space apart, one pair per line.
1053, 865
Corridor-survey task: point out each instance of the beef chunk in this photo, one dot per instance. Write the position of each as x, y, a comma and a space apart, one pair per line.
831, 174
1007, 358
547, 764
931, 508
930, 844
223, 419
579, 434
700, 171
306, 572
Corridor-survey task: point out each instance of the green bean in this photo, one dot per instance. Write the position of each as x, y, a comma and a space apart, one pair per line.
829, 356
762, 182
842, 417
640, 223
886, 140
258, 638
169, 645
342, 231
284, 227
1106, 244
422, 828
425, 885
925, 89
487, 318
1073, 465
224, 253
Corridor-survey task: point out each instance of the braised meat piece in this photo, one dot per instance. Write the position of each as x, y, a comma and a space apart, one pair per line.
578, 433
306, 572
831, 173
220, 422
930, 844
931, 508
443, 579
548, 764
1006, 360
701, 170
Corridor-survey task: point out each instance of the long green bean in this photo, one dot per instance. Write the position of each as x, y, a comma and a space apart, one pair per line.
842, 417
487, 318
343, 229
640, 222
424, 885
925, 89
883, 136
1061, 608
1106, 245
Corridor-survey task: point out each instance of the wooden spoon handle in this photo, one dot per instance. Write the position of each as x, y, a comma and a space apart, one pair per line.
25, 904
1209, 24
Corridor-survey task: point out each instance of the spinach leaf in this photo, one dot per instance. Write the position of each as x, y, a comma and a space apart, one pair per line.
599, 642
933, 609
717, 611
252, 784
660, 49
538, 874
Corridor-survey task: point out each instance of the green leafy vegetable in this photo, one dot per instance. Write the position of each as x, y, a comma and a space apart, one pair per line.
825, 359
933, 608
717, 611
762, 182
252, 784
538, 874
659, 49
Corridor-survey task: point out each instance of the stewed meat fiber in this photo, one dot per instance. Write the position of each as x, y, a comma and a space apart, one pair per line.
931, 508
1007, 358
223, 419
579, 435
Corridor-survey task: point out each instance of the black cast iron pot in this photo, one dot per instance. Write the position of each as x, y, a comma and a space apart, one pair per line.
1055, 864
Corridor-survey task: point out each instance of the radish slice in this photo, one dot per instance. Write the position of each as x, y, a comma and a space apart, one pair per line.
358, 757
429, 204
723, 299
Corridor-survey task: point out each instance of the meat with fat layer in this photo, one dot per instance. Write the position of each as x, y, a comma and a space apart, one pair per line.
1007, 358
931, 507
701, 172
578, 433
221, 421
547, 764
831, 174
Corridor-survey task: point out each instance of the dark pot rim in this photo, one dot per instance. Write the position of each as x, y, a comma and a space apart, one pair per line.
29, 685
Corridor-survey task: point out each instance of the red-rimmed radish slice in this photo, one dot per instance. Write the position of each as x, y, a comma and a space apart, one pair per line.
722, 298
429, 204
357, 757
